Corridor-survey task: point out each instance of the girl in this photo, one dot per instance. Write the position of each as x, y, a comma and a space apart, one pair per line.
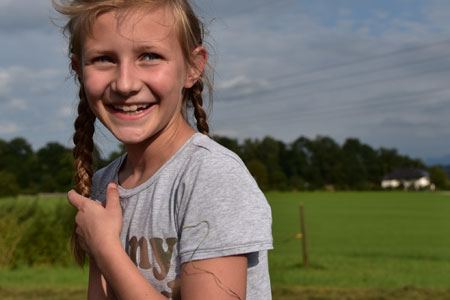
178, 216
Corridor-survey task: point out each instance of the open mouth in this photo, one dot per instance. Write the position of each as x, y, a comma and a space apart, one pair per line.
130, 109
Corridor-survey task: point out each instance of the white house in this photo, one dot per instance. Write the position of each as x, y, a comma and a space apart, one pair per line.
409, 178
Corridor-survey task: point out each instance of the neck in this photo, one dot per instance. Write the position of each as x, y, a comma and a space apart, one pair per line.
145, 158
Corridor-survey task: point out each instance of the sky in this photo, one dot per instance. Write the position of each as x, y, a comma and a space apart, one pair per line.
377, 70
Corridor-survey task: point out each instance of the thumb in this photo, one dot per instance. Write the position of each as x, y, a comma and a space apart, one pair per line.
112, 197
75, 199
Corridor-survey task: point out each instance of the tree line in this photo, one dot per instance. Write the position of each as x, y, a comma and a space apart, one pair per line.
320, 163
47, 170
304, 164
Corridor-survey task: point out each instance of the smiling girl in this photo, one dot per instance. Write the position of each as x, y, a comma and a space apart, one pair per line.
178, 216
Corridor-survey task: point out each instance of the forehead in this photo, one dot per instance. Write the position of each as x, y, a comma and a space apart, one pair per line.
156, 25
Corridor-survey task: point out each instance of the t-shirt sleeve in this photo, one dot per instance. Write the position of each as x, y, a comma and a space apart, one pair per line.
225, 214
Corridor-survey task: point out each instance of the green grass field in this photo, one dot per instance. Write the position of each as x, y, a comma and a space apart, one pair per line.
362, 239
362, 245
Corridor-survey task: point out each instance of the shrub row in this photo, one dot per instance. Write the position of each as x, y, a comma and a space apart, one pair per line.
35, 234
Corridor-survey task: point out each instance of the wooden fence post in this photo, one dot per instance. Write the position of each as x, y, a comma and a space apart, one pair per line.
303, 232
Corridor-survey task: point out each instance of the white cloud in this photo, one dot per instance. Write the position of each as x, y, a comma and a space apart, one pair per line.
275, 56
232, 133
17, 104
5, 3
66, 112
5, 82
20, 15
19, 78
344, 12
9, 128
288, 54
437, 13
239, 87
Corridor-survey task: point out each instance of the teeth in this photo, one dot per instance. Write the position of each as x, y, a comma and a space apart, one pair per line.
131, 108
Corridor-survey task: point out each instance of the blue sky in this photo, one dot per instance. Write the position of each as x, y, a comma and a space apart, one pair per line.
375, 70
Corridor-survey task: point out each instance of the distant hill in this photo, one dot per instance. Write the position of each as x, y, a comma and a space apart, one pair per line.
442, 161
446, 169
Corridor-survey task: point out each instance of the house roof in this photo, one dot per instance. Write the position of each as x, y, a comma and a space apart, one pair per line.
406, 174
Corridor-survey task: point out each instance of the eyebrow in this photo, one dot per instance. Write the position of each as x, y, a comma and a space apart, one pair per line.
148, 48
97, 51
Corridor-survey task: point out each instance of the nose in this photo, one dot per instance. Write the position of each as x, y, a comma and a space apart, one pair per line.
126, 81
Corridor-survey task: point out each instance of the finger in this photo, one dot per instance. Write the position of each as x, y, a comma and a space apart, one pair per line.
112, 197
75, 199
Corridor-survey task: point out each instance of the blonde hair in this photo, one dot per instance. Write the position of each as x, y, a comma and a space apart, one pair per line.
81, 16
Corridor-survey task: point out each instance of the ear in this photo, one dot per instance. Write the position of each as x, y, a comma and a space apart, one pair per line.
200, 58
76, 65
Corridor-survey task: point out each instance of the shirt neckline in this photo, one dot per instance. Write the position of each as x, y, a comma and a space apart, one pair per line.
129, 192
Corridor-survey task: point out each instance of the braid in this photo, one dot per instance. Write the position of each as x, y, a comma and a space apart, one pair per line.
199, 112
83, 155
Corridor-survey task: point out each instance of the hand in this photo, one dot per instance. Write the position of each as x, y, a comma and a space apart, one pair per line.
97, 227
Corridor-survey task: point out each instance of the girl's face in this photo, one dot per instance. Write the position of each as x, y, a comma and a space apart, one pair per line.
134, 74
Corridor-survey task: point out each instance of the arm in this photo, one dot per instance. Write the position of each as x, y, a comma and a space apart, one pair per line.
218, 278
215, 278
98, 288
99, 228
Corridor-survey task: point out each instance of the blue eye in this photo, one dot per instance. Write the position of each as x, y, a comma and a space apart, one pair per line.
150, 56
103, 59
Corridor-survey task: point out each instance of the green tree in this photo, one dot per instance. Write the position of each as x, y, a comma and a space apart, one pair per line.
64, 175
54, 166
297, 164
278, 181
359, 165
325, 161
259, 172
229, 143
100, 162
17, 158
8, 184
438, 177
269, 152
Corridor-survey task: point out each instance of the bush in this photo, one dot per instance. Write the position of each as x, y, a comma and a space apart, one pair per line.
35, 234
8, 184
11, 233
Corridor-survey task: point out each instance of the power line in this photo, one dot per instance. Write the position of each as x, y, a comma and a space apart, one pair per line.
333, 78
342, 87
374, 103
341, 112
360, 60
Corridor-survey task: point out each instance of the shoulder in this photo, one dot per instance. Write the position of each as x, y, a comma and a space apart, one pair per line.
223, 201
208, 155
218, 172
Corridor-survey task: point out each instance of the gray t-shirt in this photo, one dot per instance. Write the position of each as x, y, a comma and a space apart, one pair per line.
202, 203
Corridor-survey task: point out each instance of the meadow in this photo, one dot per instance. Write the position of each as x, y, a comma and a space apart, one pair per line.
361, 245
363, 239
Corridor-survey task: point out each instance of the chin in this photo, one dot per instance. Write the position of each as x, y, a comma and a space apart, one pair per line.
131, 139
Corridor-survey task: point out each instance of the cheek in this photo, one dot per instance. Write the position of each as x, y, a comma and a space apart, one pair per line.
94, 85
167, 84
93, 91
